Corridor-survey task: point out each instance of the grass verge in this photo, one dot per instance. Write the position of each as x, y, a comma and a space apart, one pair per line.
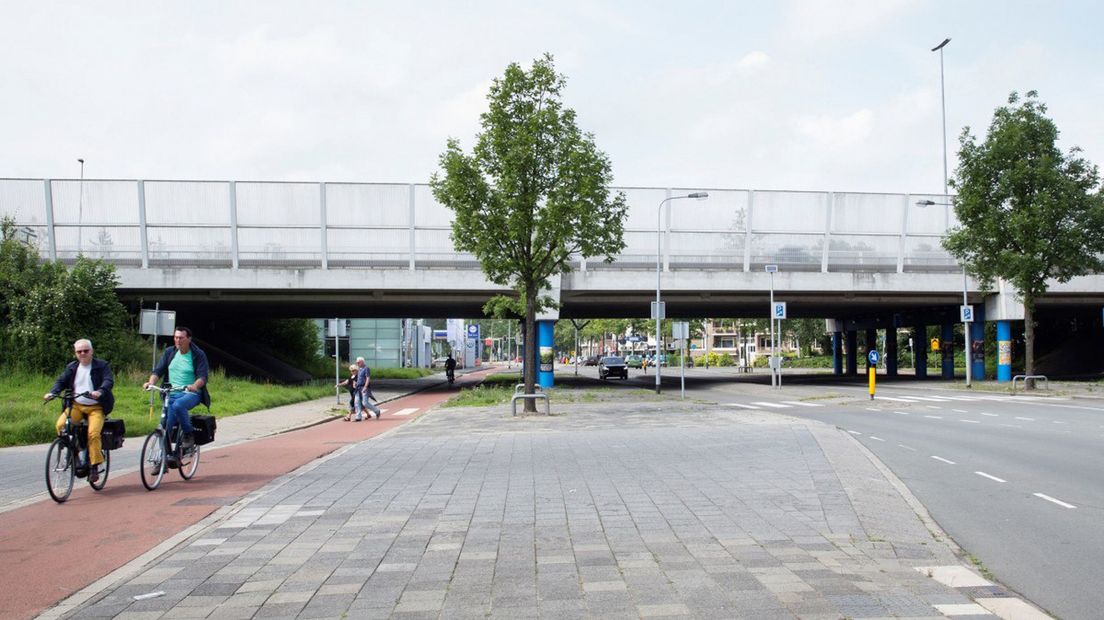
25, 420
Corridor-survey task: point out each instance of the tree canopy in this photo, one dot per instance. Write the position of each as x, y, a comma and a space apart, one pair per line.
534, 191
1029, 213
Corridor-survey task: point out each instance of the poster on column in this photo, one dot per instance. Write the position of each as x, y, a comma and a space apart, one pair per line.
547, 357
1004, 353
977, 351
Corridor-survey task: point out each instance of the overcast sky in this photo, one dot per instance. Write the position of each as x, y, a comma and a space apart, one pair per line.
837, 96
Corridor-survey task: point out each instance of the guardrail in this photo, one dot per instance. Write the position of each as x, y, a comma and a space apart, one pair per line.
1025, 378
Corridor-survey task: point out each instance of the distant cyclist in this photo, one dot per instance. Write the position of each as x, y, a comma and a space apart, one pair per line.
450, 368
185, 366
93, 376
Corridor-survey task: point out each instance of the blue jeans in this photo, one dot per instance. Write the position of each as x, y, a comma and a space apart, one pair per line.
363, 403
180, 403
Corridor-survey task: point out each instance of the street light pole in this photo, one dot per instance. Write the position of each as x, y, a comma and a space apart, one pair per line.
80, 207
659, 254
946, 196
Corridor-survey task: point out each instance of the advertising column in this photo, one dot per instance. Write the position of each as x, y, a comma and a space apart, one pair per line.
546, 353
1004, 351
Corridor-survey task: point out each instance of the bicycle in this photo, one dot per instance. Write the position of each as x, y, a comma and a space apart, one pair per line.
161, 442
66, 454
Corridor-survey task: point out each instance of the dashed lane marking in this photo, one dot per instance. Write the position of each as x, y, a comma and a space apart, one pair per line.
772, 405
742, 405
407, 411
901, 412
876, 438
991, 415
1051, 499
910, 448
855, 432
1026, 419
943, 460
960, 411
801, 404
933, 407
934, 417
993, 478
971, 421
896, 400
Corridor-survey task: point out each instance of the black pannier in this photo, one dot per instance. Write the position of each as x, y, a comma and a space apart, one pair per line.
113, 433
204, 426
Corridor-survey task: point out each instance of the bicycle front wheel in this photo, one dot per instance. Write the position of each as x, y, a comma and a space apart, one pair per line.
105, 468
60, 470
152, 463
189, 462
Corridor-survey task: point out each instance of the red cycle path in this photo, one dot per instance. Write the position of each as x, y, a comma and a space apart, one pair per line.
51, 551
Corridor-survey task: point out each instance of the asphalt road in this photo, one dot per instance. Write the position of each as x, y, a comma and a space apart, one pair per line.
1017, 482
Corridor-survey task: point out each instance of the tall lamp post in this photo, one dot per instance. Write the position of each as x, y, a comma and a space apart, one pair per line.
80, 207
657, 311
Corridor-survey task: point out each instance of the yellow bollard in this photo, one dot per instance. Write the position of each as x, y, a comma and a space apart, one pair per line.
872, 383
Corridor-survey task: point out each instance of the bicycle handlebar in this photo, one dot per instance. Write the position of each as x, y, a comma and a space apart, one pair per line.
164, 390
67, 394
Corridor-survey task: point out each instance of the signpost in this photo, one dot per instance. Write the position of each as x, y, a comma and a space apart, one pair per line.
873, 357
156, 322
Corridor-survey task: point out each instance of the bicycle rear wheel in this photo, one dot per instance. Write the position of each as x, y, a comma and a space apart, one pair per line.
152, 463
104, 470
189, 463
59, 470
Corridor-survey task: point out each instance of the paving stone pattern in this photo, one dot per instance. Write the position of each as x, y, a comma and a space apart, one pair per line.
642, 511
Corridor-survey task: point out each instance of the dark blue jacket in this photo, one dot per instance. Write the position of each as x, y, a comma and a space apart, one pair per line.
102, 380
199, 360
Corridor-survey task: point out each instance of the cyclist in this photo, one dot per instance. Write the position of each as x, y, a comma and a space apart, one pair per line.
91, 375
185, 366
450, 368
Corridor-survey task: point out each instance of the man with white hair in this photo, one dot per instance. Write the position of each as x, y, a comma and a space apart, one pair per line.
364, 390
93, 376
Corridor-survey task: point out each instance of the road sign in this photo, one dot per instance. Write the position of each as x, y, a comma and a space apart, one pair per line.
967, 313
440, 334
779, 310
659, 309
680, 330
771, 268
473, 331
149, 323
874, 357
635, 338
934, 344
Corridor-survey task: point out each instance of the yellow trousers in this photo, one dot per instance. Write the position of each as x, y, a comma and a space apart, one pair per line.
95, 416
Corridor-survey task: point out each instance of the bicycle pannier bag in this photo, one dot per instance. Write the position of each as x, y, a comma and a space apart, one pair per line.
114, 431
204, 426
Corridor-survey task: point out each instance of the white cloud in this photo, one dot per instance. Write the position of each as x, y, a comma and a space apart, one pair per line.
844, 131
754, 60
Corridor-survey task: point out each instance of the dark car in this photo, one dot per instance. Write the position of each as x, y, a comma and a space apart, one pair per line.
591, 360
612, 366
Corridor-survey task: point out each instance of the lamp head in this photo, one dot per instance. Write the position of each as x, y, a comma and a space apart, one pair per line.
941, 45
698, 195
924, 203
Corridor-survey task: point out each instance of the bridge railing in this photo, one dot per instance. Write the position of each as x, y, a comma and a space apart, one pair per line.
155, 223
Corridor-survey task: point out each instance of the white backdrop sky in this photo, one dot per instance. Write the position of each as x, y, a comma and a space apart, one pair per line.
766, 95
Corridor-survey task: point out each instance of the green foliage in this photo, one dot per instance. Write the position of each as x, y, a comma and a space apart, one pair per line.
533, 192
293, 341
45, 307
715, 359
1028, 212
25, 420
400, 373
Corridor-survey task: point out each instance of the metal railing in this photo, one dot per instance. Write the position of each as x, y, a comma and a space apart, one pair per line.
160, 223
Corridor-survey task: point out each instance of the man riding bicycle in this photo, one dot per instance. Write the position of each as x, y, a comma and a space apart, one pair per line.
450, 368
93, 376
185, 366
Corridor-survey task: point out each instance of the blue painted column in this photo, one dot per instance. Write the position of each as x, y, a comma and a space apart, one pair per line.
546, 353
837, 353
946, 350
920, 350
977, 344
890, 356
1004, 351
852, 346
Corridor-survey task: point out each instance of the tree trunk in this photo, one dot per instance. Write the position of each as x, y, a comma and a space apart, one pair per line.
532, 349
1029, 342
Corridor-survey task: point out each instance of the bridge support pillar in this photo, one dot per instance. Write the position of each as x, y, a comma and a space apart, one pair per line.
852, 350
837, 353
920, 350
871, 344
977, 344
946, 350
545, 353
891, 352
1004, 351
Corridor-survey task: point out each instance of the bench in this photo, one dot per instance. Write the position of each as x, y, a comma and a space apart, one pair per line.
519, 396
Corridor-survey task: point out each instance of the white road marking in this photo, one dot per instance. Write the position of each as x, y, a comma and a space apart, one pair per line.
963, 398
876, 438
1056, 422
774, 405
932, 407
896, 400
960, 411
801, 404
872, 409
985, 475
901, 445
741, 405
971, 421
1056, 501
934, 417
939, 458
855, 432
1012, 425
901, 412
991, 415
407, 411
930, 399
1026, 419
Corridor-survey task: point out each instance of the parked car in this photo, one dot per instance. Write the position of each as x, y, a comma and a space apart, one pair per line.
612, 366
662, 361
634, 361
591, 360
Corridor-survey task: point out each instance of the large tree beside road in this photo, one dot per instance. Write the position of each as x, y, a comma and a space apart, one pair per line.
534, 191
1029, 213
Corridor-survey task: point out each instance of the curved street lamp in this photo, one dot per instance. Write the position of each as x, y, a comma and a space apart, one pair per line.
658, 310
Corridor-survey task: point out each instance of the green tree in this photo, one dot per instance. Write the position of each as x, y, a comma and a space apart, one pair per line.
533, 192
1029, 213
